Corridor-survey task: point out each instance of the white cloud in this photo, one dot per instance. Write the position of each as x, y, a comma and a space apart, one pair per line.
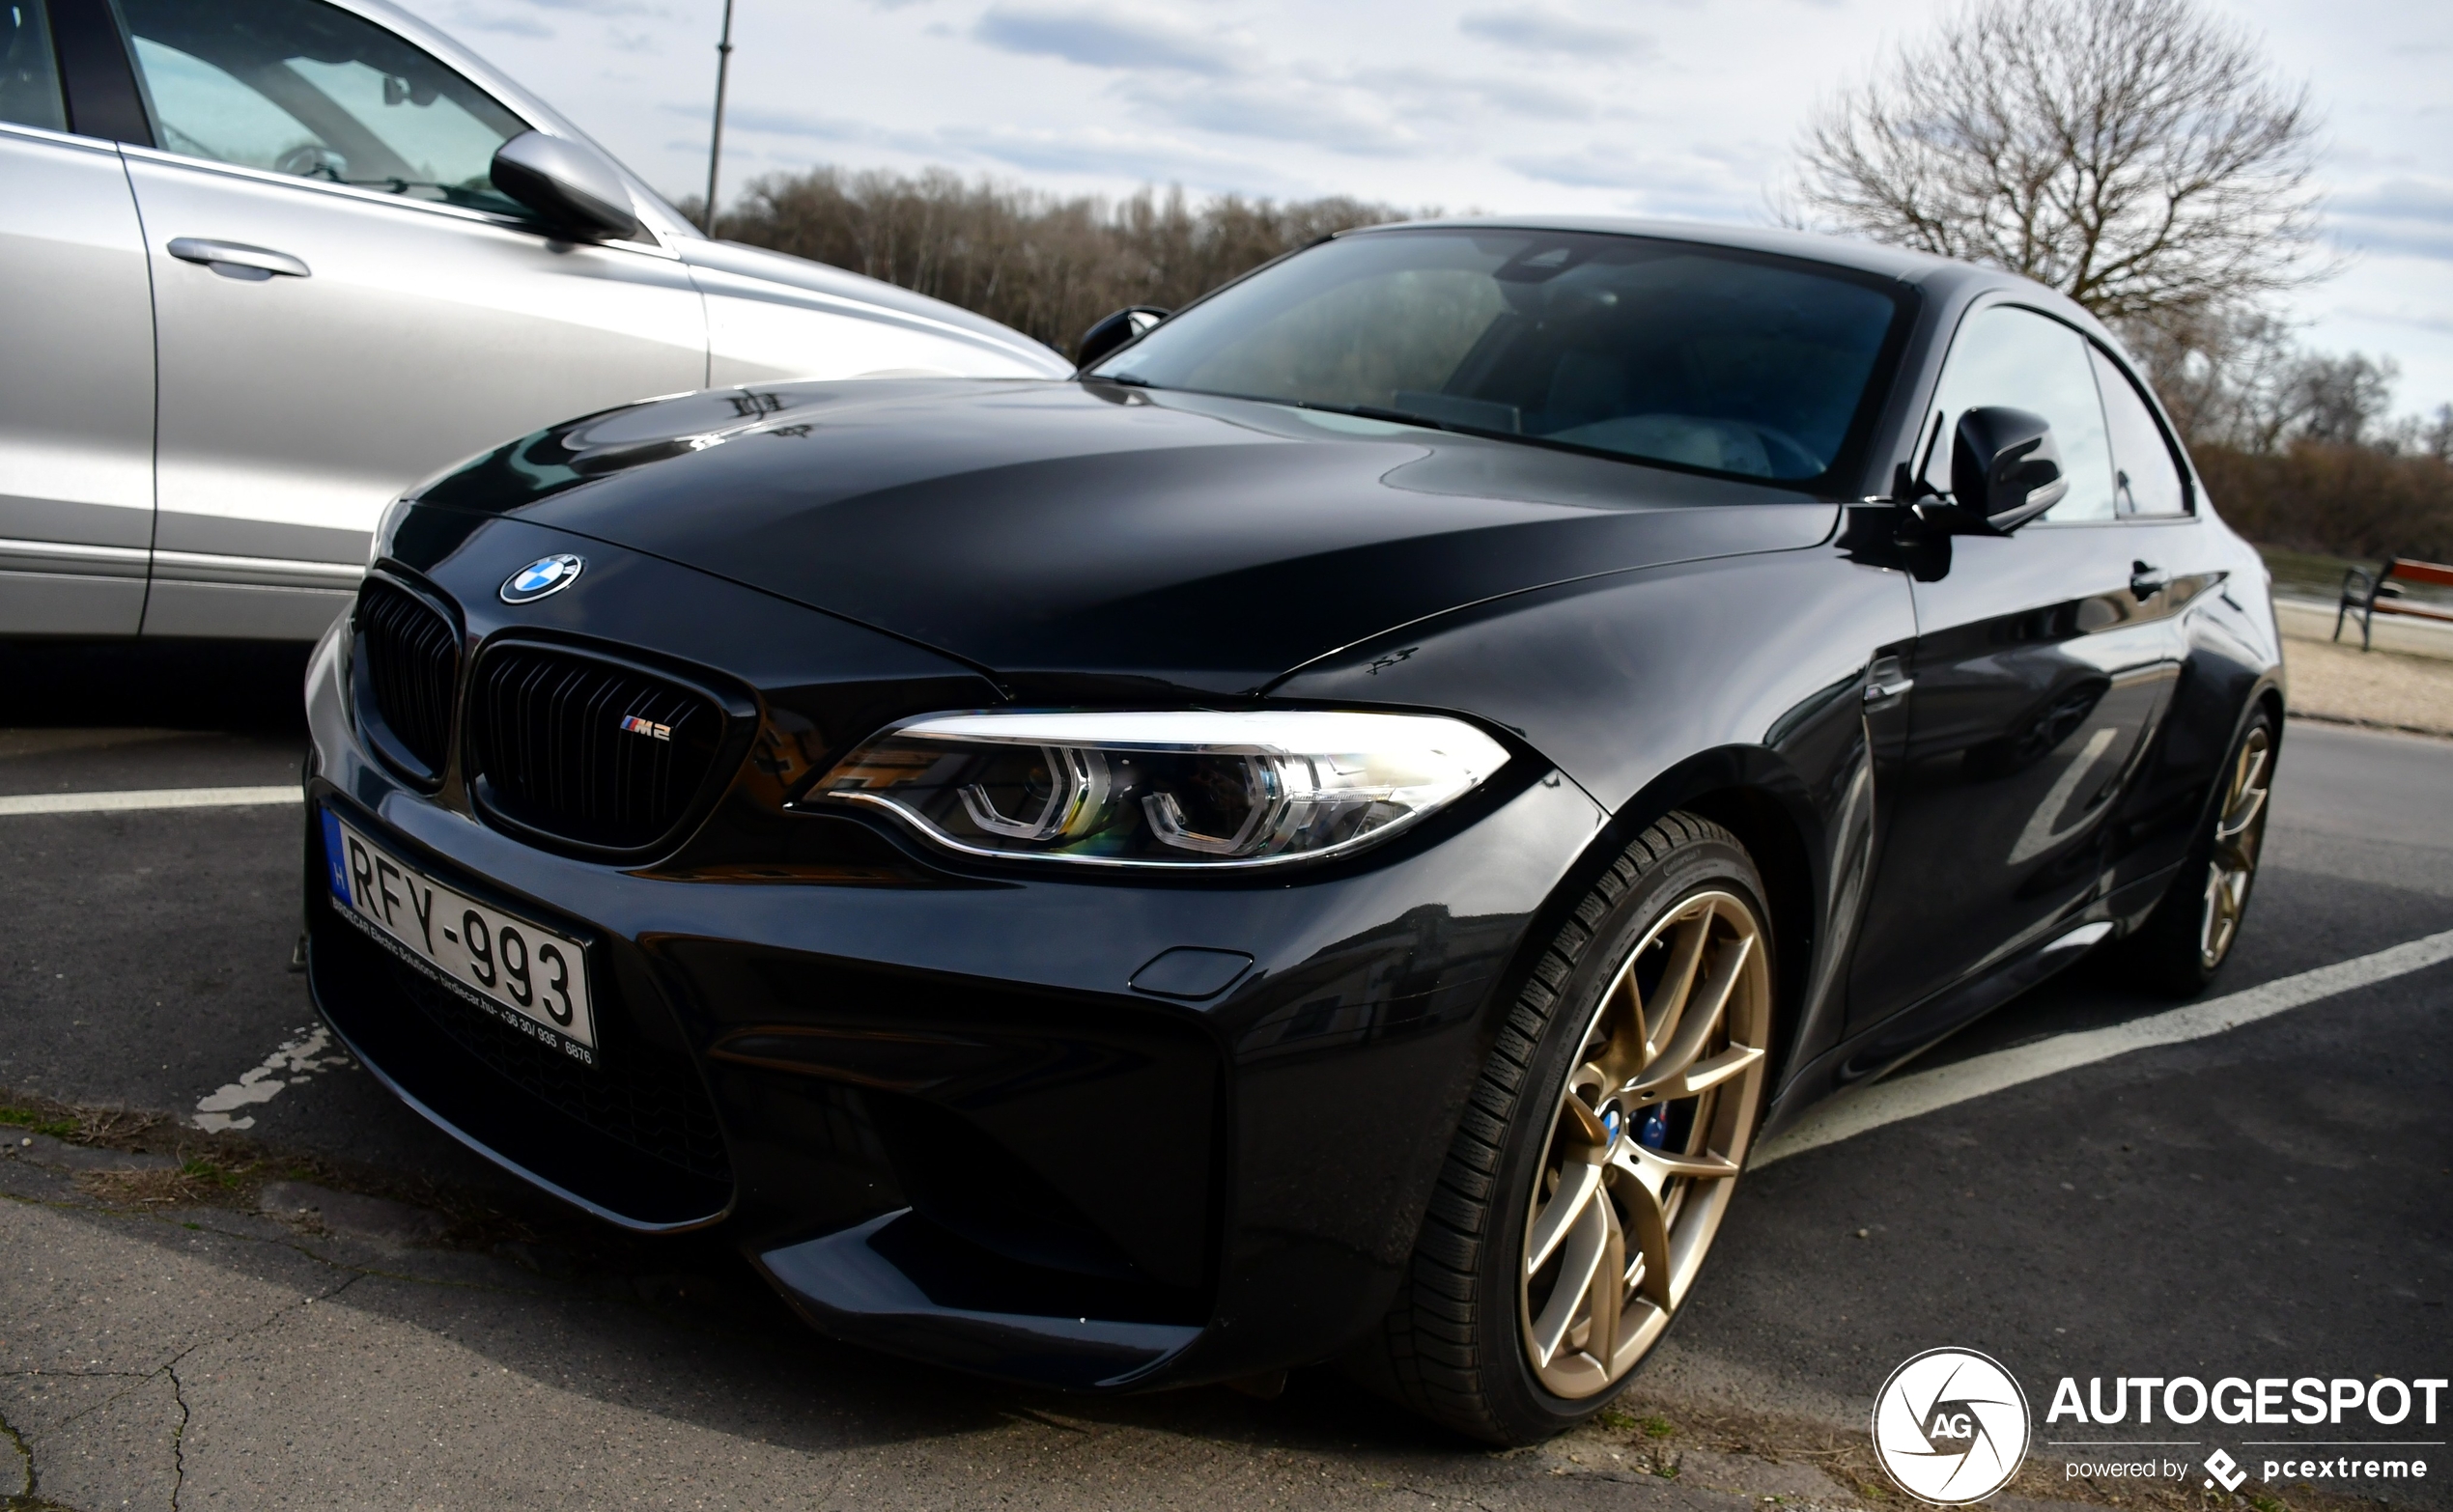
1322, 115
503, 25
1109, 37
1441, 95
1545, 29
2412, 217
600, 7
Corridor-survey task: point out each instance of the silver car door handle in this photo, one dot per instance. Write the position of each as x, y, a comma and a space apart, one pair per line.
237, 258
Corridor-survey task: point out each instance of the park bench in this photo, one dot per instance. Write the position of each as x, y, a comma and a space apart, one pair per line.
2367, 594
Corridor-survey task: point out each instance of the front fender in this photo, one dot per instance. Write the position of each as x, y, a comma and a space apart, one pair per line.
1733, 686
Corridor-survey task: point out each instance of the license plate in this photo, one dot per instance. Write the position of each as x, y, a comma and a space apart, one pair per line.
526, 975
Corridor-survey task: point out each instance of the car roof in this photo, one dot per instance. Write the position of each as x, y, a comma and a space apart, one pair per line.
1951, 281
1866, 257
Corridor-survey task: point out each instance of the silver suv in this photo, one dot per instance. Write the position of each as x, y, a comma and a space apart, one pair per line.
268, 262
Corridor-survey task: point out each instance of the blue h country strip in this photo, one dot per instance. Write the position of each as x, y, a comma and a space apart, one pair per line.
333, 859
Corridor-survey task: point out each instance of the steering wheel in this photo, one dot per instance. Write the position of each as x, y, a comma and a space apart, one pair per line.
1790, 453
312, 160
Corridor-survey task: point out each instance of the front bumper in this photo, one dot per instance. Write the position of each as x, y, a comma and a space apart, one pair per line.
966, 1115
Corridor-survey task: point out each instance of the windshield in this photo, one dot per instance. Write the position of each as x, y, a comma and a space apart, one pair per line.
1667, 352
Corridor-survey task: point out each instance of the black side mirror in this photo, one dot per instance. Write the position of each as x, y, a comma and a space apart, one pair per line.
2005, 472
573, 187
1123, 326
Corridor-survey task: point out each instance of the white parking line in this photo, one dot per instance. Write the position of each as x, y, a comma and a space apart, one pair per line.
1912, 1096
146, 798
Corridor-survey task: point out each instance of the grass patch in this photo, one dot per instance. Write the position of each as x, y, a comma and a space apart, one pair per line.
197, 1181
116, 1127
226, 1170
1651, 1426
2307, 574
39, 1122
199, 1169
2313, 574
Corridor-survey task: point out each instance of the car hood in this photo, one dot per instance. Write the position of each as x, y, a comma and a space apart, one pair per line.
716, 263
1057, 533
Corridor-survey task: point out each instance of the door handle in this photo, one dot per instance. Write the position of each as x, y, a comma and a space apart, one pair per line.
1885, 679
2146, 580
237, 258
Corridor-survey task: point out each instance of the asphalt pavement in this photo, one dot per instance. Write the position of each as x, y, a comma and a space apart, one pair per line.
2277, 1200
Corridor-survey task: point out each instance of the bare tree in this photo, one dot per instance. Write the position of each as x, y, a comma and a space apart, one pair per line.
2135, 154
2238, 378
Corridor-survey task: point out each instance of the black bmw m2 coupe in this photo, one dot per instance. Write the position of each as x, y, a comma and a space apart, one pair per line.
1329, 834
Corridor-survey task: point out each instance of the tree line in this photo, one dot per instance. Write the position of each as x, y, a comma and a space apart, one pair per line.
1046, 264
2139, 156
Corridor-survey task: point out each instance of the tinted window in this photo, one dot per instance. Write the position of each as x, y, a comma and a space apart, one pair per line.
1660, 351
2145, 479
2017, 358
301, 87
29, 79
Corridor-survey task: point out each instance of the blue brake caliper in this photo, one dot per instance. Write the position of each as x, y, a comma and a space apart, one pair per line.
1654, 1131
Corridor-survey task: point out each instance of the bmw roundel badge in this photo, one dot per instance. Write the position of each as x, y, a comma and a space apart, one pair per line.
546, 574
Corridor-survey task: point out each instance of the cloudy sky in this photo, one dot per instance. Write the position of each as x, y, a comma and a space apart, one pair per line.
1674, 108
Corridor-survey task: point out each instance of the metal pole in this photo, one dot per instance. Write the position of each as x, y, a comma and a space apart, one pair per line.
716, 142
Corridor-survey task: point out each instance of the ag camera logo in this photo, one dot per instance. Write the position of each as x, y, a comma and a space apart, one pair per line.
1950, 1427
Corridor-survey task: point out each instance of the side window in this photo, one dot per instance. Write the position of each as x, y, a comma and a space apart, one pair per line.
29, 78
2006, 356
2145, 479
303, 88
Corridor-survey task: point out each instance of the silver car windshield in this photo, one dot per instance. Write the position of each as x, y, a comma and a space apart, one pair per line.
1667, 352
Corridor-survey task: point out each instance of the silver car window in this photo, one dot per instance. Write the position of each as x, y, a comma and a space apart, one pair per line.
29, 79
301, 87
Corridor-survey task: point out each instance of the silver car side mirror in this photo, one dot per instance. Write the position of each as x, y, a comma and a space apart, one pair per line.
570, 184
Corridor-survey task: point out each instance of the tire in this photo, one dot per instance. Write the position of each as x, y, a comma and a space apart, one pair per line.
1464, 1342
2191, 934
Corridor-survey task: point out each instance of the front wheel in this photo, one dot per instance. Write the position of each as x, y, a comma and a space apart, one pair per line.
1598, 1149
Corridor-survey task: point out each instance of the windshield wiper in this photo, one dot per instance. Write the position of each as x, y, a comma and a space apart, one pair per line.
1408, 417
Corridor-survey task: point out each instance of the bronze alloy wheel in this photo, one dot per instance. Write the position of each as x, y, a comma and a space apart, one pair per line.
1649, 1136
1597, 1149
2194, 926
2240, 828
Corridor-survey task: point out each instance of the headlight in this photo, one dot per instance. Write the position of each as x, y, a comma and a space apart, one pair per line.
1173, 788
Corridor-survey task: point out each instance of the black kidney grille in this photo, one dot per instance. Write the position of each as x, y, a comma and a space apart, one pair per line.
413, 664
589, 751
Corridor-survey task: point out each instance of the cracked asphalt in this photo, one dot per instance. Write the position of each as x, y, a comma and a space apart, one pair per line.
2273, 1201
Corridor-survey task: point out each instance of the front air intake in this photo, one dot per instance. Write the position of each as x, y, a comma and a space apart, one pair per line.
585, 749
409, 667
